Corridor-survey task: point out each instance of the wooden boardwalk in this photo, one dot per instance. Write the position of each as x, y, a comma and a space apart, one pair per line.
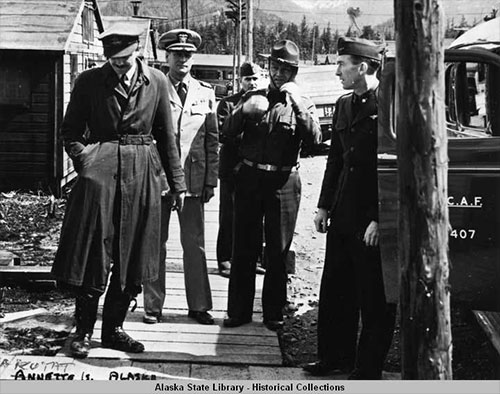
181, 339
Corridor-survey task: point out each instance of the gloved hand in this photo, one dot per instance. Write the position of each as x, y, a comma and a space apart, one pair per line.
293, 91
255, 107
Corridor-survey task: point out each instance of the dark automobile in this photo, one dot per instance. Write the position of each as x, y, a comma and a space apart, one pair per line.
472, 75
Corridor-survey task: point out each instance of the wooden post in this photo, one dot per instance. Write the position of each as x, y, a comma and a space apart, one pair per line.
249, 30
240, 38
235, 56
423, 166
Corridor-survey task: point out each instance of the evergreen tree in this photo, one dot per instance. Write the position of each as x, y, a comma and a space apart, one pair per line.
292, 33
326, 40
304, 41
368, 33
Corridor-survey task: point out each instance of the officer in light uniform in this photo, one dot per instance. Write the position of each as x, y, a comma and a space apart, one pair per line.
193, 107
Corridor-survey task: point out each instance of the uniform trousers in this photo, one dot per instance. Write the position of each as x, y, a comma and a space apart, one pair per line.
272, 198
226, 220
225, 234
197, 285
351, 285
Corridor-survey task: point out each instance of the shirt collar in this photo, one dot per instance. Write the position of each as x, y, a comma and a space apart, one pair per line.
130, 73
176, 83
363, 97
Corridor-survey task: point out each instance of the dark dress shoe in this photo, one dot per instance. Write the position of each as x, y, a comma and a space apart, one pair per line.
274, 325
225, 269
201, 317
235, 321
359, 374
321, 368
119, 340
80, 345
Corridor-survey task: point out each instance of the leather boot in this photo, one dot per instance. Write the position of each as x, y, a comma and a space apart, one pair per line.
114, 312
85, 317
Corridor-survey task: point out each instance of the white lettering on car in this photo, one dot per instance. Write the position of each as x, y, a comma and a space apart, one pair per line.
464, 202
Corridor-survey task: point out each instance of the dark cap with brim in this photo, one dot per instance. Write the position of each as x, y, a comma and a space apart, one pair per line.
180, 40
249, 69
120, 40
359, 47
286, 52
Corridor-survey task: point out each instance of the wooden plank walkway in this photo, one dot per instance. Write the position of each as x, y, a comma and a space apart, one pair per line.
180, 339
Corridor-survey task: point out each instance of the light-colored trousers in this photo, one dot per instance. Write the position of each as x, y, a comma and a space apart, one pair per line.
197, 285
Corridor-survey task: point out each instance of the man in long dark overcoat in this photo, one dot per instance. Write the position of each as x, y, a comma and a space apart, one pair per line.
348, 210
119, 132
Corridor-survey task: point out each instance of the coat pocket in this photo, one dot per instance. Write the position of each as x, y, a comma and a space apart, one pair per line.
85, 157
286, 124
155, 159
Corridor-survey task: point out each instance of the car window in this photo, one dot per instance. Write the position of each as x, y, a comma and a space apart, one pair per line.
466, 98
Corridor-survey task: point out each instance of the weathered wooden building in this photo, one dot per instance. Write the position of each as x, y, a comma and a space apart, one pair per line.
44, 45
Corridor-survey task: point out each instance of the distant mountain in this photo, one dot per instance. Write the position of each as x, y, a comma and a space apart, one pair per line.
199, 11
374, 12
321, 12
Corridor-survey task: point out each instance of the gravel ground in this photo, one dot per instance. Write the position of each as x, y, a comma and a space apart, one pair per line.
30, 225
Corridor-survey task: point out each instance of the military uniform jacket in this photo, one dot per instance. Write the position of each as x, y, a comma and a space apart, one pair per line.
115, 168
228, 154
350, 189
196, 134
276, 138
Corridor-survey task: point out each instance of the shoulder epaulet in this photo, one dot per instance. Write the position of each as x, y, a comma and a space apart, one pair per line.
205, 84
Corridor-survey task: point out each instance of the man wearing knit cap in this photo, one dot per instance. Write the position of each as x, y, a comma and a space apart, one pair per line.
272, 124
228, 160
118, 131
348, 212
193, 106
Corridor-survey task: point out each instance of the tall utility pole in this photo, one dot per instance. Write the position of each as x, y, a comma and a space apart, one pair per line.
184, 14
236, 14
423, 186
250, 30
240, 34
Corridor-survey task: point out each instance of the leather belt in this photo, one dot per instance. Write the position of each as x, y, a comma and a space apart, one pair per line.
132, 139
269, 167
127, 139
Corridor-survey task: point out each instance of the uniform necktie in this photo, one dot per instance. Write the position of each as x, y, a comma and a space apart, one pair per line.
125, 82
182, 92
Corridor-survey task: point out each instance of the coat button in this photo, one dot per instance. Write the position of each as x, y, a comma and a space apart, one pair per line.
115, 176
352, 149
351, 169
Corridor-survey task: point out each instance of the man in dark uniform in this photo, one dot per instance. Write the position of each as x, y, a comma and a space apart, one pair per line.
112, 222
273, 124
228, 160
348, 211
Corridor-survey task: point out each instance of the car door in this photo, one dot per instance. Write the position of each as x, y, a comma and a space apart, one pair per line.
473, 126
